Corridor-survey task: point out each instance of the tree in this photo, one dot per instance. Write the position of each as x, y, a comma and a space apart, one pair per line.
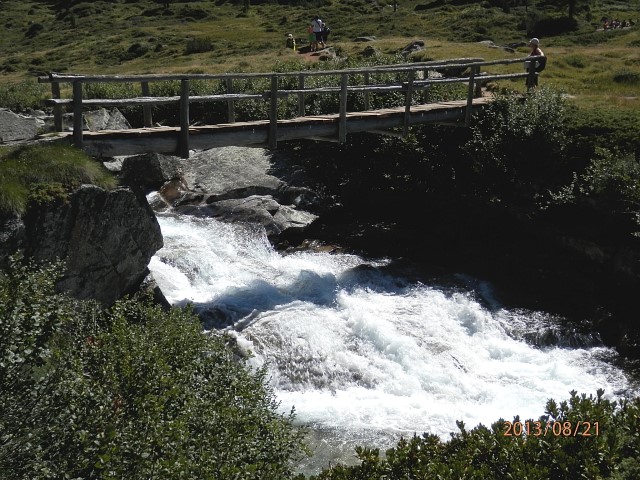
572, 6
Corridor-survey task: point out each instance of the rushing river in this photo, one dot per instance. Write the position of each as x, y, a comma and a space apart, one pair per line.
366, 355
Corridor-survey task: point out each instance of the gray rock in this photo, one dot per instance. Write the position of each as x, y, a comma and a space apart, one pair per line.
105, 120
240, 184
231, 172
255, 209
14, 127
106, 238
414, 46
150, 171
369, 38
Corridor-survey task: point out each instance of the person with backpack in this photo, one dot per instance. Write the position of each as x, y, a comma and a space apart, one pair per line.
325, 33
316, 24
541, 62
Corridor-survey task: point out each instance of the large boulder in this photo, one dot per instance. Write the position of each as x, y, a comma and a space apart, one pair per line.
105, 237
150, 171
239, 184
14, 127
103, 119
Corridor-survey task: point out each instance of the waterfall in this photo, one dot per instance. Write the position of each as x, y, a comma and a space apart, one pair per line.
365, 353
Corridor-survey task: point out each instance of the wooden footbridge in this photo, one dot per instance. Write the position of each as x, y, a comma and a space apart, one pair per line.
383, 99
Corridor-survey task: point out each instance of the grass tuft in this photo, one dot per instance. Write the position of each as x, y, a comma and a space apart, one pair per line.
44, 171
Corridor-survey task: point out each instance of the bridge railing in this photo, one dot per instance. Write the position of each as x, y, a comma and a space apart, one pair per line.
403, 79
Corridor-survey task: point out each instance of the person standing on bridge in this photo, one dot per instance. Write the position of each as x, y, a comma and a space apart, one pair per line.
541, 63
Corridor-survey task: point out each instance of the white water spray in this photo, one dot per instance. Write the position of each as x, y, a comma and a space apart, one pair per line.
365, 355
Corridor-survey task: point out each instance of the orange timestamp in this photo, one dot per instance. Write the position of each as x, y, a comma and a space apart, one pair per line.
554, 428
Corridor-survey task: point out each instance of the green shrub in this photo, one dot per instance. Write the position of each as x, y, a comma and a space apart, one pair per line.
540, 450
629, 77
132, 392
518, 146
577, 61
613, 177
198, 45
23, 95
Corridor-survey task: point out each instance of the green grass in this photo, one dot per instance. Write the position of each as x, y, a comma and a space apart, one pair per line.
45, 173
201, 36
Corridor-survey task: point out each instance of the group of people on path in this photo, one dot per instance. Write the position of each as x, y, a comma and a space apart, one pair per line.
318, 33
611, 23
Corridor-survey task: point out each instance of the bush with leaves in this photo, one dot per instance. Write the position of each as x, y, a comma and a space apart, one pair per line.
132, 392
611, 451
517, 146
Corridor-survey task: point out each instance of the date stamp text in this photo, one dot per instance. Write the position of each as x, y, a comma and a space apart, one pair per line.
556, 429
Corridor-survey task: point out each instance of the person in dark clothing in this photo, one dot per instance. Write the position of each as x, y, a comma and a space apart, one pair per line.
325, 33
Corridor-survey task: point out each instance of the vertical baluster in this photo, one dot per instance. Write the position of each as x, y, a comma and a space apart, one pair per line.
407, 103
342, 125
146, 109
78, 123
184, 118
231, 109
273, 113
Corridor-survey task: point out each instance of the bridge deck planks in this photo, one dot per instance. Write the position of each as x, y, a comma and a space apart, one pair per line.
163, 139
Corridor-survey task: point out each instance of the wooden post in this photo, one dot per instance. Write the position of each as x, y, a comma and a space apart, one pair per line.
231, 109
146, 109
425, 89
301, 95
366, 92
478, 90
57, 109
467, 113
342, 122
183, 144
273, 113
531, 78
78, 123
407, 103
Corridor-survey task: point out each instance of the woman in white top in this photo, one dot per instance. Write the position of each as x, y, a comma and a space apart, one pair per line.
316, 23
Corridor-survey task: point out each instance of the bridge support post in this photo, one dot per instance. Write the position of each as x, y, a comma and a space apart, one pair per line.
301, 95
231, 108
146, 109
183, 144
273, 113
342, 122
407, 103
470, 92
366, 92
78, 123
57, 109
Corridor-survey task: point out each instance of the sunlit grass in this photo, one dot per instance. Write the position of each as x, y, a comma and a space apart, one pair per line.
140, 37
26, 168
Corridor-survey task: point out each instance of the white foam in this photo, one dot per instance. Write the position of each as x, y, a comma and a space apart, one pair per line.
355, 350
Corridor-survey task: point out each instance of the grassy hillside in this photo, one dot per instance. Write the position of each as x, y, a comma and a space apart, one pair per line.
127, 36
